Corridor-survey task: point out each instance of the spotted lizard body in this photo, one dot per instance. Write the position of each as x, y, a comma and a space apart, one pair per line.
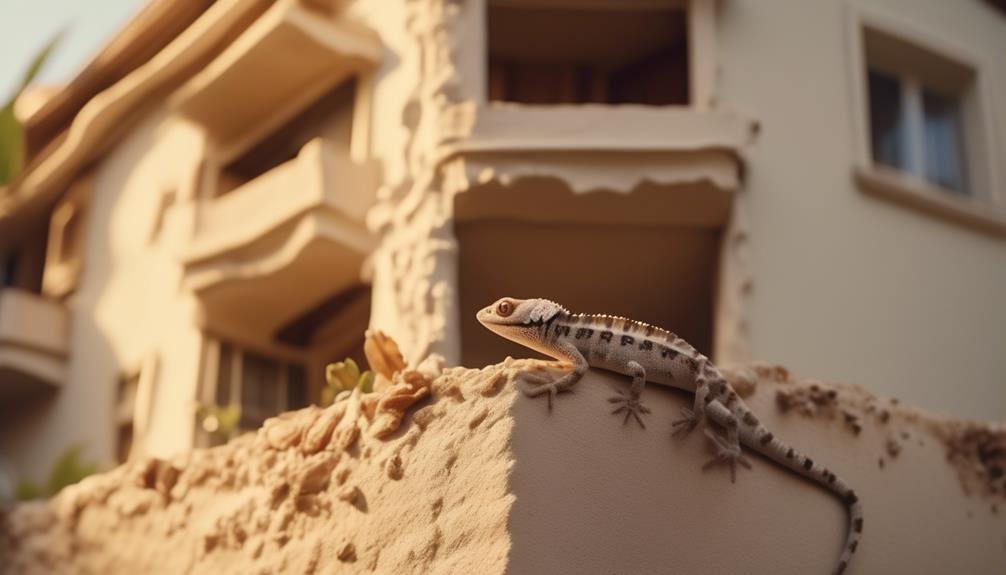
648, 353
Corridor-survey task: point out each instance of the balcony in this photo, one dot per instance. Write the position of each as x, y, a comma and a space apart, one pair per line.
300, 52
691, 155
33, 343
284, 241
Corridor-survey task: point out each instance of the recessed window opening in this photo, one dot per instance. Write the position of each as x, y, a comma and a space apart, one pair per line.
331, 117
128, 389
921, 110
262, 385
22, 262
594, 52
333, 329
9, 269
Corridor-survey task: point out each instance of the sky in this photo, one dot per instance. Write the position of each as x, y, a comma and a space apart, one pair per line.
26, 25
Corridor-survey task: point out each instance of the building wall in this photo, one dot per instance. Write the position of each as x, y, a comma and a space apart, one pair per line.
414, 269
127, 308
845, 286
848, 286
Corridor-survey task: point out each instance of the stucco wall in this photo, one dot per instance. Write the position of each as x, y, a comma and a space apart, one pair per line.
847, 286
127, 307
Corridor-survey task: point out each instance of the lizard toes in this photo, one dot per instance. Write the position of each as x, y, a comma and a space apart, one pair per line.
631, 407
635, 414
729, 456
532, 385
685, 424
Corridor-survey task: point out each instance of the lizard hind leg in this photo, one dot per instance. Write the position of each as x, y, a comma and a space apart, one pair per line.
691, 418
628, 401
728, 449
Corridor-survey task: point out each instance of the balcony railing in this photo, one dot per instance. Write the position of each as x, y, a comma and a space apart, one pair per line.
288, 58
501, 127
33, 342
681, 164
283, 241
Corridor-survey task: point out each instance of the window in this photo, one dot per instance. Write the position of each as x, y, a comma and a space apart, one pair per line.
331, 117
923, 122
922, 109
597, 51
9, 269
943, 134
263, 386
22, 258
65, 247
918, 130
125, 410
887, 130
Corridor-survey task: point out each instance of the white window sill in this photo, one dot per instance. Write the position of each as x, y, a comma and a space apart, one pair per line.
920, 195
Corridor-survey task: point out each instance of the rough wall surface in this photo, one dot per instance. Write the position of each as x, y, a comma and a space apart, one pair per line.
314, 490
478, 479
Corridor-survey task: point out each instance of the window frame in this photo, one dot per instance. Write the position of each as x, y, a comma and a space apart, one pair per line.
134, 412
127, 392
700, 25
583, 80
66, 243
218, 158
983, 208
210, 379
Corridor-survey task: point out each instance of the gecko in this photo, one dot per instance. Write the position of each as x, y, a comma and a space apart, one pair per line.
649, 353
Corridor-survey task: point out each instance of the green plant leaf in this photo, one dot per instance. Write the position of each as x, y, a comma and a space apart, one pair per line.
27, 490
11, 144
38, 61
229, 417
342, 375
366, 382
352, 369
69, 469
11, 132
219, 420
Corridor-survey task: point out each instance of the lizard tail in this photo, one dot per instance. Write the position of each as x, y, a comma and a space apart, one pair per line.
761, 439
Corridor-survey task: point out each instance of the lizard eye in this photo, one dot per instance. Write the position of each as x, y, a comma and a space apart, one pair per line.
504, 308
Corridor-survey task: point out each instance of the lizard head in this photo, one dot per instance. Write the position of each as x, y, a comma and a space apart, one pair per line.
518, 319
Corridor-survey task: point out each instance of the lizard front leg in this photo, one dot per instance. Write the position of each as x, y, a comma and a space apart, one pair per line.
629, 400
578, 365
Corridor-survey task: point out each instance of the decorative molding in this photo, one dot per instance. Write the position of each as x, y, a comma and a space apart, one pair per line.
920, 195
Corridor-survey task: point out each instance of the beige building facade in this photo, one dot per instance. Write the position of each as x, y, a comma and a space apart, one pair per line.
213, 212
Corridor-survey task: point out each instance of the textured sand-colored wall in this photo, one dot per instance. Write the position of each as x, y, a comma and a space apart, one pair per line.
481, 479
